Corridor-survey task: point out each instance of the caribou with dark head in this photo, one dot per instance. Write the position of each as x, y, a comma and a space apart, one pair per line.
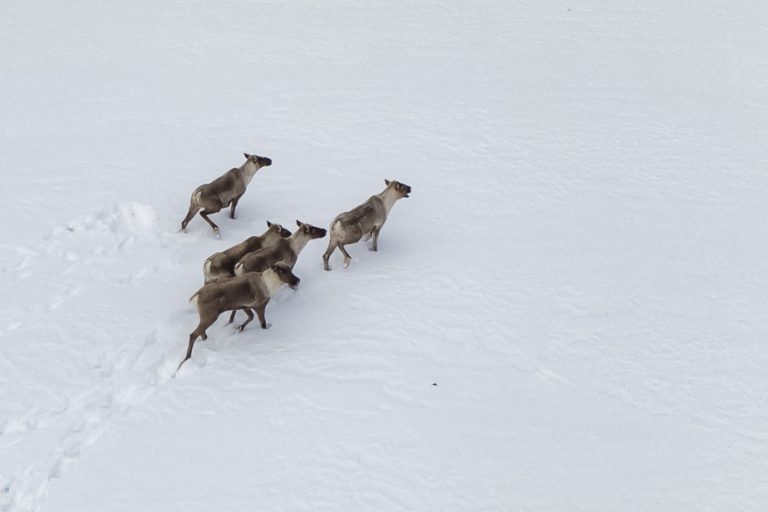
285, 250
226, 190
364, 220
248, 293
221, 265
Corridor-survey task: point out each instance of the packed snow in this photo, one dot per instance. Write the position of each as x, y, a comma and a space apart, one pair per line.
567, 314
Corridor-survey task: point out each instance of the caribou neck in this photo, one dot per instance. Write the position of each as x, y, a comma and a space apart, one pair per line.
388, 197
248, 170
269, 238
298, 240
271, 281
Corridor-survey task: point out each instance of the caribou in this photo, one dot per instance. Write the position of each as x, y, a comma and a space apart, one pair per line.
226, 190
364, 220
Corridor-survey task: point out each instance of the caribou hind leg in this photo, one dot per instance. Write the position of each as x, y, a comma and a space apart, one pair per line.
347, 257
331, 247
204, 214
199, 331
190, 214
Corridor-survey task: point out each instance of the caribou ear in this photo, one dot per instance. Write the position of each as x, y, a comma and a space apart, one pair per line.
387, 182
269, 224
298, 222
247, 156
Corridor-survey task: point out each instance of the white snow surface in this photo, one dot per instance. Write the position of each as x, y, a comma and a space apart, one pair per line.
568, 313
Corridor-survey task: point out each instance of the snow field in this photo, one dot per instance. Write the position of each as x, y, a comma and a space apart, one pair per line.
566, 314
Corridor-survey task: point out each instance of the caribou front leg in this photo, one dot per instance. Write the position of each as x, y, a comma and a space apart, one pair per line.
234, 205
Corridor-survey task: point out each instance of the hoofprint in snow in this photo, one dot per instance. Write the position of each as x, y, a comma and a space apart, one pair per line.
568, 314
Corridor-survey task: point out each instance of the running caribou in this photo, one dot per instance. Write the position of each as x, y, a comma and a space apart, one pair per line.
364, 220
248, 293
221, 265
226, 190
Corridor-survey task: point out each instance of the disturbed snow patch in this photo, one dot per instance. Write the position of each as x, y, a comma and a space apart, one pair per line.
125, 217
112, 229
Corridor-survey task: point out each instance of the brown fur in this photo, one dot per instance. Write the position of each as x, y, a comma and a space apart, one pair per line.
285, 250
247, 293
221, 265
226, 190
364, 220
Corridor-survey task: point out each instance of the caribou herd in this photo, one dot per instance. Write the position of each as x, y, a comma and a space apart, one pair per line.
245, 276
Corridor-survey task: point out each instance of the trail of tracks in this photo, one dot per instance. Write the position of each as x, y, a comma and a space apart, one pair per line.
79, 368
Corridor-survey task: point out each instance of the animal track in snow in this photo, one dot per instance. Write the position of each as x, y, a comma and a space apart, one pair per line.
94, 253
